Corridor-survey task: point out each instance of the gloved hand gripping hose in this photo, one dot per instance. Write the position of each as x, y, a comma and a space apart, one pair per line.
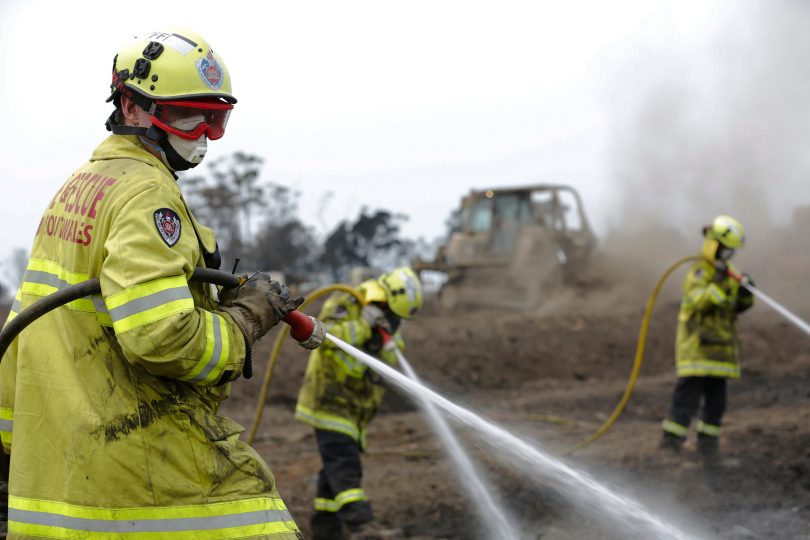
302, 326
746, 282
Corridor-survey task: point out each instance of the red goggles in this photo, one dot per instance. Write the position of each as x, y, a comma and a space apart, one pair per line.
192, 119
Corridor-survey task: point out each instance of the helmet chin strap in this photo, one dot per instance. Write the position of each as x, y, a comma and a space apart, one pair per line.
170, 157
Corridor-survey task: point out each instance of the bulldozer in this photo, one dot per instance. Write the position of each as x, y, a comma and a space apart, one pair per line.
511, 246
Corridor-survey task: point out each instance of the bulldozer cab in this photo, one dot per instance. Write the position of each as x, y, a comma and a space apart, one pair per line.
493, 222
532, 237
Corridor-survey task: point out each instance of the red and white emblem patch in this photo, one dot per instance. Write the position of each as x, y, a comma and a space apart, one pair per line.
168, 225
210, 71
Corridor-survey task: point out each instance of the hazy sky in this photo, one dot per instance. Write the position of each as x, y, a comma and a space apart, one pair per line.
400, 105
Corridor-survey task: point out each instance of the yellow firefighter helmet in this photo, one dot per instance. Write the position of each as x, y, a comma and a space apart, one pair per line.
399, 288
170, 65
726, 230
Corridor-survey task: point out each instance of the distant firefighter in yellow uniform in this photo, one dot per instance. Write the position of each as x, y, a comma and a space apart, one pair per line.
108, 404
707, 349
340, 395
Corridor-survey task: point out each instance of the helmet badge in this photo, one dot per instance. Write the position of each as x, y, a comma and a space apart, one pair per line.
210, 71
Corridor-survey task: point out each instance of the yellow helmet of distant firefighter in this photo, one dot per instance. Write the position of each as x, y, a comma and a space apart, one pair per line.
399, 288
722, 237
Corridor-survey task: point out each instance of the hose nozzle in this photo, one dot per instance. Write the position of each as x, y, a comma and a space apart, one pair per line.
308, 331
736, 276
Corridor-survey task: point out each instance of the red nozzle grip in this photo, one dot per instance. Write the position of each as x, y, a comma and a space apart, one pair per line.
734, 275
386, 337
301, 326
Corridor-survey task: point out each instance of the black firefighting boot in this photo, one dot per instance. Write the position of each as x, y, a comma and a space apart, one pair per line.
371, 530
671, 442
326, 526
709, 449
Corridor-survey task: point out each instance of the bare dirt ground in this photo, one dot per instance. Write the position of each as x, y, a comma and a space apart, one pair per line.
570, 360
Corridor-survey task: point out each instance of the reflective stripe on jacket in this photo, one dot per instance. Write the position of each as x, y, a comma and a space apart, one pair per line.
340, 393
707, 344
111, 401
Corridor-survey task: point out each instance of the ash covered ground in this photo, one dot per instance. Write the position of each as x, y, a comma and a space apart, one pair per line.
553, 376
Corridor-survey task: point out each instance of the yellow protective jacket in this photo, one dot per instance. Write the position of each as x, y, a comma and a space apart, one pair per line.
340, 393
110, 404
706, 342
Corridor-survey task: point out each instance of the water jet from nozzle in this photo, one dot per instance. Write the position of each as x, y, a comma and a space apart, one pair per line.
491, 515
779, 308
625, 512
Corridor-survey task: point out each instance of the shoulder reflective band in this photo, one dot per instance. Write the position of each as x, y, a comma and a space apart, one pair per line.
149, 302
230, 519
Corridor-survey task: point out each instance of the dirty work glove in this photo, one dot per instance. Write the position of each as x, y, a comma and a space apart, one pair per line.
747, 279
258, 305
375, 317
318, 334
744, 294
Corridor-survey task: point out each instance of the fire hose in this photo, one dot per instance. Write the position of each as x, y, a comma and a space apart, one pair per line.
638, 360
301, 326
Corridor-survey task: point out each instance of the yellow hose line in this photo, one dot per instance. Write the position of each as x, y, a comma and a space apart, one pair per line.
274, 353
642, 340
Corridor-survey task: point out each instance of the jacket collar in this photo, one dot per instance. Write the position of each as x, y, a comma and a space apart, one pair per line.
128, 147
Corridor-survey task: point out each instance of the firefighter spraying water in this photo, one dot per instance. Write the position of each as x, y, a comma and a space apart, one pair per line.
707, 351
107, 404
340, 396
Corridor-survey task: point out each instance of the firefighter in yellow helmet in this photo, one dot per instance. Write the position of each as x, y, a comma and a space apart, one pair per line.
707, 351
110, 402
340, 395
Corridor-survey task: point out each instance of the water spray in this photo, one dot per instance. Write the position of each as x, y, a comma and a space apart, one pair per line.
619, 508
779, 308
490, 513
